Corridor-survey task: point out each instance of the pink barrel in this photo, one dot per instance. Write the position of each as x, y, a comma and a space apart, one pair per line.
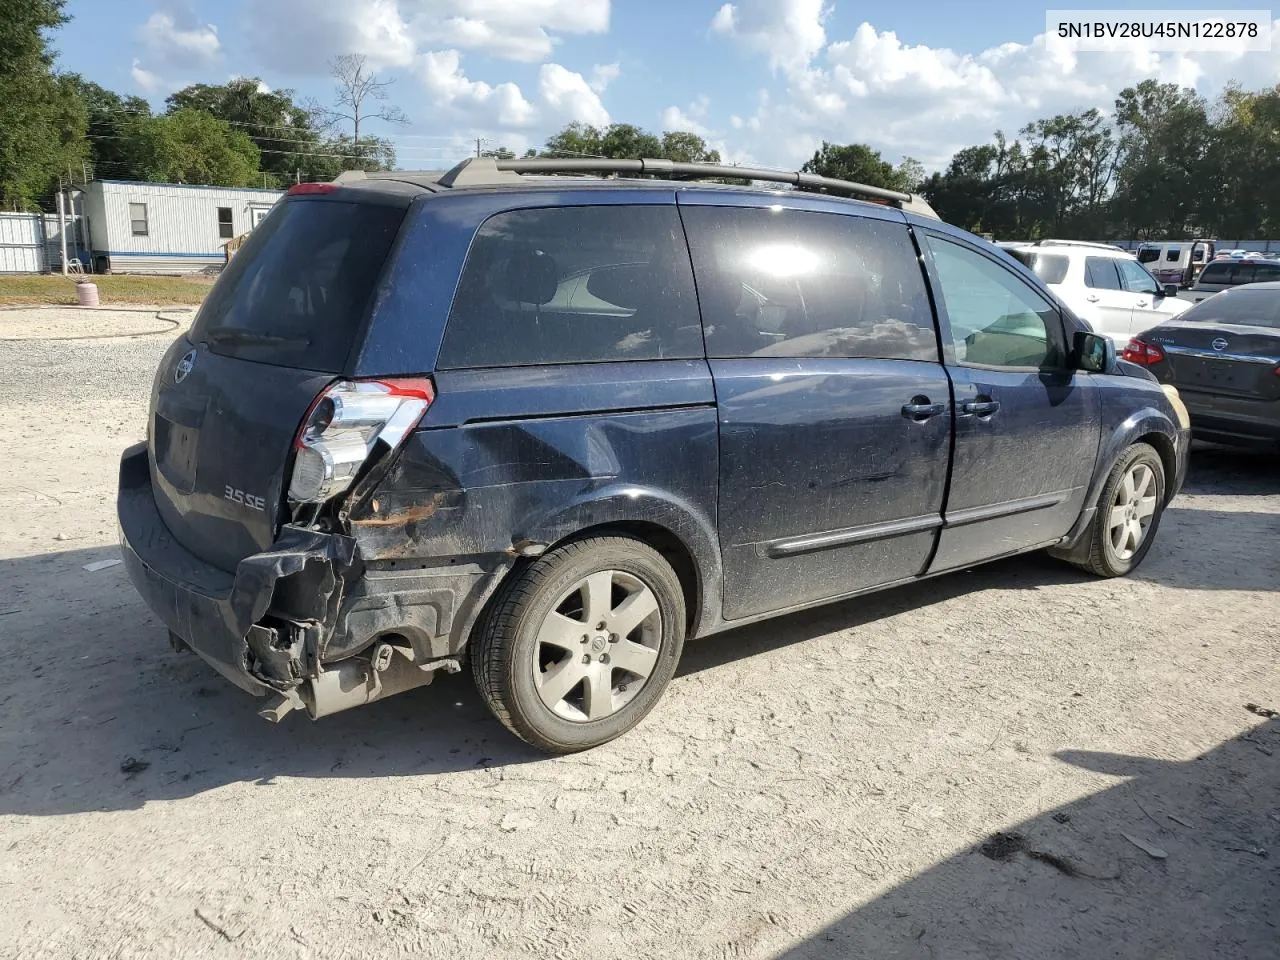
87, 294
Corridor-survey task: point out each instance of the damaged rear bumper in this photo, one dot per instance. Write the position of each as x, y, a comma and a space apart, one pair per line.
273, 626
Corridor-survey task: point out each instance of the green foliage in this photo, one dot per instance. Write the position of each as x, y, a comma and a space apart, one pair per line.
192, 146
625, 141
42, 122
858, 162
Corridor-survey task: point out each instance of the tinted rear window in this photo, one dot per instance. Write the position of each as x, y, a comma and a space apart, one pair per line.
1258, 308
574, 285
1049, 267
788, 283
296, 292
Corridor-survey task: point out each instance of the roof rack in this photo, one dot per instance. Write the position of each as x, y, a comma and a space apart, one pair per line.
486, 171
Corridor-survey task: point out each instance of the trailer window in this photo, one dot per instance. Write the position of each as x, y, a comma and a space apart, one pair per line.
138, 219
225, 229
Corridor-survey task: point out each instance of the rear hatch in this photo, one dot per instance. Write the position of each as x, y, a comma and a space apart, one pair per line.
279, 325
1228, 345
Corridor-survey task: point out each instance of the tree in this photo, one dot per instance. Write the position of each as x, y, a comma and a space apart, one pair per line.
192, 146
42, 123
625, 141
502, 153
685, 147
359, 93
289, 137
854, 161
112, 119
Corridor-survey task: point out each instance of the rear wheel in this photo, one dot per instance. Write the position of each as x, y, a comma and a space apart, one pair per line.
580, 645
1129, 511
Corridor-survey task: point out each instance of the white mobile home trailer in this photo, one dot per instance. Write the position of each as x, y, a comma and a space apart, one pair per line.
168, 227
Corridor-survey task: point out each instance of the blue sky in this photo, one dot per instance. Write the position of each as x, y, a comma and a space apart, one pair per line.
764, 80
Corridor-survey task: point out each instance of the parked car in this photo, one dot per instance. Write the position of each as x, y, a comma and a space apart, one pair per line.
396, 439
1104, 286
1230, 272
1223, 356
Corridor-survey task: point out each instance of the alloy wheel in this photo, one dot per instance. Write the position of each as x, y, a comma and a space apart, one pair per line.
1132, 510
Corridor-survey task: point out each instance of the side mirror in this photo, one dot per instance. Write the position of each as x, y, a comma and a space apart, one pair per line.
1092, 353
1171, 290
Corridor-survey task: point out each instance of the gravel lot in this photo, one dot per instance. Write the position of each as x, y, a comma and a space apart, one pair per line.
948, 770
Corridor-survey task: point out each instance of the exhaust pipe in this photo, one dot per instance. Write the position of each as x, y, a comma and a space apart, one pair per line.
351, 683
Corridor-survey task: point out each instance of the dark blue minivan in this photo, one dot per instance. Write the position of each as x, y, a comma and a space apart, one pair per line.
555, 425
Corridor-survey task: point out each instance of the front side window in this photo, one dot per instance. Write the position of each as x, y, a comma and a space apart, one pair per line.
794, 283
1100, 273
225, 229
996, 320
1135, 278
138, 225
1242, 273
574, 285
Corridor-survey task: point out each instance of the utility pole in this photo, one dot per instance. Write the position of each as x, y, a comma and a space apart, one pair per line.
62, 229
477, 146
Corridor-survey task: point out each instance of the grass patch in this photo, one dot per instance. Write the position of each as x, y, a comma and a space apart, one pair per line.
34, 289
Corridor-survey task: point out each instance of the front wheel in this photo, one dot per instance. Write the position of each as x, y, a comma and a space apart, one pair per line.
580, 645
1128, 514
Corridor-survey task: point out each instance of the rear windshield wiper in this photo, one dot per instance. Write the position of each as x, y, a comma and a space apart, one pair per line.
254, 338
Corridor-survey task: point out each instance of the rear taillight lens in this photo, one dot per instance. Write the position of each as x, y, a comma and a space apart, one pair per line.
1139, 351
344, 425
311, 189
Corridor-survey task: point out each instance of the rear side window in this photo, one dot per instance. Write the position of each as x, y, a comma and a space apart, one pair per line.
1242, 273
789, 283
1148, 254
1172, 254
574, 285
1100, 273
1049, 267
297, 291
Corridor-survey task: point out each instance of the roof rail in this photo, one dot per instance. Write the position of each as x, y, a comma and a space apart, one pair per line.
1079, 243
481, 171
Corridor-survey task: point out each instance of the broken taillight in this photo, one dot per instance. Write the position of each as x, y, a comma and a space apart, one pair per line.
345, 424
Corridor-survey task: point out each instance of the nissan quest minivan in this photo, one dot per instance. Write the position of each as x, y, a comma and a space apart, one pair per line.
551, 426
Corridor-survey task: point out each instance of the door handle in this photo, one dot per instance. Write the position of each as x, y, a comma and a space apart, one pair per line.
1093, 298
920, 409
1141, 303
982, 407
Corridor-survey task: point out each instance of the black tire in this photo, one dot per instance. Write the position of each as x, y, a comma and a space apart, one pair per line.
1097, 553
505, 651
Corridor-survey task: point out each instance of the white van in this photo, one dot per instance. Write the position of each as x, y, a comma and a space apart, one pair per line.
1177, 261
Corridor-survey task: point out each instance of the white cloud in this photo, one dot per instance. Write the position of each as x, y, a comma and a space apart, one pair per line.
144, 78
603, 74
927, 102
392, 32
569, 96
689, 119
186, 44
788, 32
441, 74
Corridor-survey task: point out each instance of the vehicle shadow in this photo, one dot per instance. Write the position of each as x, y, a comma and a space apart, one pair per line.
1196, 880
88, 681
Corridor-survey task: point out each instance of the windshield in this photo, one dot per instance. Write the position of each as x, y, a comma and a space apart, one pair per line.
1148, 254
1254, 308
1049, 267
298, 290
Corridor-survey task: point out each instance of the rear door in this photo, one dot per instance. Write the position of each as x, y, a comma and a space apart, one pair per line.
1111, 303
834, 410
228, 398
1027, 427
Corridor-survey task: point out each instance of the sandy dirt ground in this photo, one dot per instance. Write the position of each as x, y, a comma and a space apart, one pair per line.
1015, 762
